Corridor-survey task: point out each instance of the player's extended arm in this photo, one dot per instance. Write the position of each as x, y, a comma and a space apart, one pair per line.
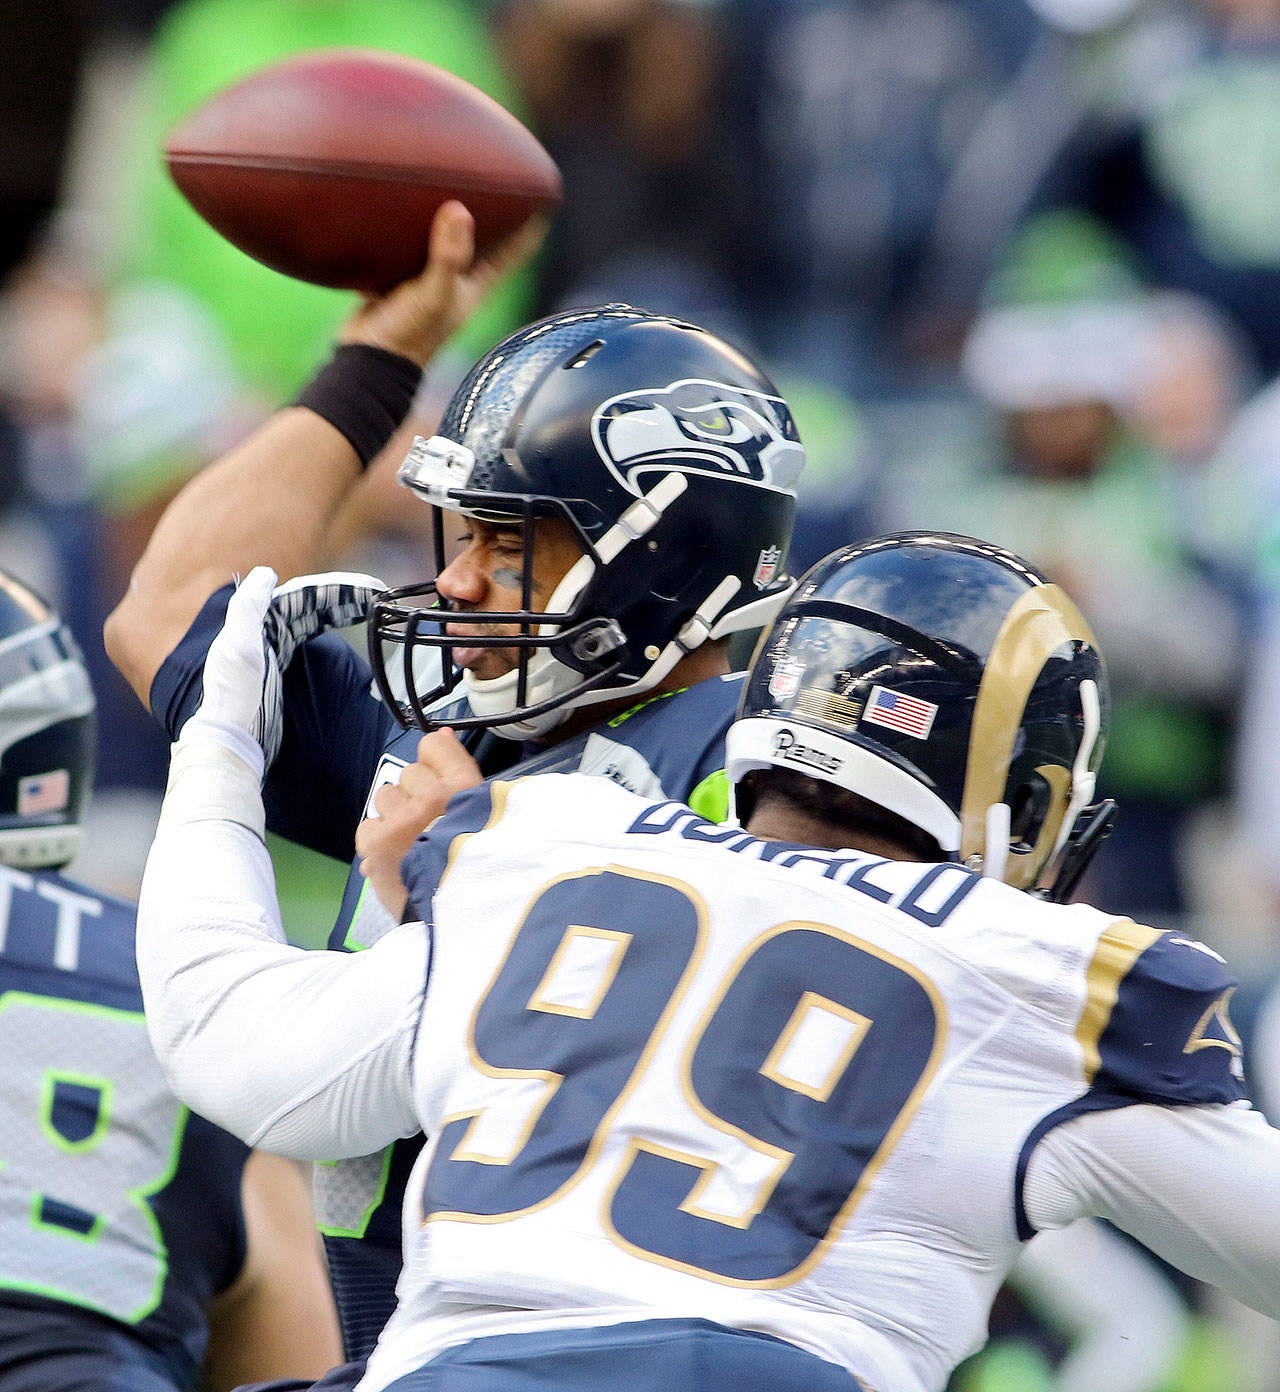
1124, 1320
1199, 1186
278, 1320
272, 499
303, 1053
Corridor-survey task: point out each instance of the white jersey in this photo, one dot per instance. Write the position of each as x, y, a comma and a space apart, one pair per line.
669, 1069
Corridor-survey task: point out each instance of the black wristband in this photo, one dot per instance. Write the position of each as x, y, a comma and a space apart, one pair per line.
364, 392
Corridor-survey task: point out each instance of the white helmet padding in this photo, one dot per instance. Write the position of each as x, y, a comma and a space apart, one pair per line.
771, 743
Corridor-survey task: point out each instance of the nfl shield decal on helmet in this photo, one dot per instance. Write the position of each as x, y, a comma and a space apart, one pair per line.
766, 567
785, 680
699, 427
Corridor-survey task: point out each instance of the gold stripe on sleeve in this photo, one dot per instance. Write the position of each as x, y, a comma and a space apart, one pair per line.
1118, 949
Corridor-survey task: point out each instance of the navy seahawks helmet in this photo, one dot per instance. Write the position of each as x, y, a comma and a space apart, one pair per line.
46, 732
952, 685
672, 458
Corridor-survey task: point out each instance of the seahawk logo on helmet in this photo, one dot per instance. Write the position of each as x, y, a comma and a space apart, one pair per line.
669, 457
698, 426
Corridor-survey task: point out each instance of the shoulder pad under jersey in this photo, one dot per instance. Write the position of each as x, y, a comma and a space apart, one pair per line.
1156, 1025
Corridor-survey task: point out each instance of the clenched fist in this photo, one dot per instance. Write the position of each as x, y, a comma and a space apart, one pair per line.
404, 810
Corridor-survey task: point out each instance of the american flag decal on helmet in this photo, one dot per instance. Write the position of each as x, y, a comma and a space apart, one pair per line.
897, 711
44, 793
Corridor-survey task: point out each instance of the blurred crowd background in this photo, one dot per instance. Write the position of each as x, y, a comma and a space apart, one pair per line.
1015, 263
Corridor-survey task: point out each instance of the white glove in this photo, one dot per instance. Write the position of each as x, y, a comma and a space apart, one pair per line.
300, 609
217, 766
236, 674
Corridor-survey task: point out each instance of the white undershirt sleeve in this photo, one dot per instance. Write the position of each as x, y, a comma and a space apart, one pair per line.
303, 1053
1199, 1186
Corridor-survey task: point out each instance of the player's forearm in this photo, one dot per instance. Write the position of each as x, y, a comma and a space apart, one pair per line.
1215, 1170
271, 501
1086, 1281
278, 1320
305, 1054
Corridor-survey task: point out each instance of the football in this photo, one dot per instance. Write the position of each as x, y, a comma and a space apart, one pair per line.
329, 166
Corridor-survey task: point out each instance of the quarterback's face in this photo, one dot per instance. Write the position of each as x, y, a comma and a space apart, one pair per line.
485, 574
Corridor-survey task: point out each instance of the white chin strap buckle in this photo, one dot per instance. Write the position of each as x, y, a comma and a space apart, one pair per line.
995, 849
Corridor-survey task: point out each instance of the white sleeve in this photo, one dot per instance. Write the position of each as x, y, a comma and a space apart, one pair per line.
1199, 1186
1124, 1319
303, 1053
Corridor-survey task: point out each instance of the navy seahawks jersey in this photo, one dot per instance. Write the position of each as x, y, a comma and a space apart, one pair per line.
120, 1213
340, 744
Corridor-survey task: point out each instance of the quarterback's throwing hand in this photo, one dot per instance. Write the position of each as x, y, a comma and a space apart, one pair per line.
420, 315
404, 810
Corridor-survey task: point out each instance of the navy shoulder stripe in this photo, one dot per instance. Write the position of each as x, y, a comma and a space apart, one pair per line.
432, 853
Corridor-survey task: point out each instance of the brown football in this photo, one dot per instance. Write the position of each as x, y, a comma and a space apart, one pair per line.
330, 166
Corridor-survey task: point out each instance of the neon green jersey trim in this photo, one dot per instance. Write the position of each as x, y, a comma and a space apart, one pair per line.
359, 1230
710, 799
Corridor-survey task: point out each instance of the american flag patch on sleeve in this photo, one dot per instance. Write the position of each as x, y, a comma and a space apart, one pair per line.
897, 711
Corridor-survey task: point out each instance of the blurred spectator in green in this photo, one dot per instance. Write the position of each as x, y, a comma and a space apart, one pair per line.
274, 327
1053, 466
198, 341
1180, 156
885, 152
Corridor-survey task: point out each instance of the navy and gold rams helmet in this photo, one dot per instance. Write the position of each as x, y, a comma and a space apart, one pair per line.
672, 458
46, 732
950, 684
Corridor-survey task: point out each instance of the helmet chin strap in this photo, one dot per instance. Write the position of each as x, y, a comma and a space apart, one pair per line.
545, 676
995, 851
1083, 782
699, 627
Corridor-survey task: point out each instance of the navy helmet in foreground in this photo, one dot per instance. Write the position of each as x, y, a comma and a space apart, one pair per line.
671, 457
949, 683
46, 732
